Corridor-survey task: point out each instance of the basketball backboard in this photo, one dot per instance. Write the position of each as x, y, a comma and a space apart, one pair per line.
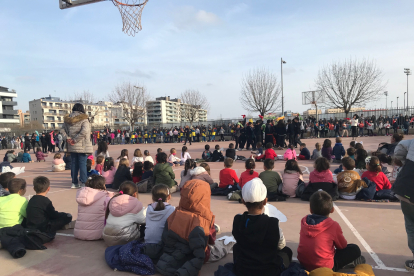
313, 97
130, 10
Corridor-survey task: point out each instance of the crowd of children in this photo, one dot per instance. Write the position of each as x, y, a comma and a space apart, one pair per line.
109, 207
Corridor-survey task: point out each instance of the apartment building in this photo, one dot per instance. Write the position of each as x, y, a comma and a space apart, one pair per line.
340, 110
24, 117
7, 113
50, 111
165, 110
311, 112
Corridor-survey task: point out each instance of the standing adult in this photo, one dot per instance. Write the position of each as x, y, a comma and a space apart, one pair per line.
187, 134
354, 124
76, 130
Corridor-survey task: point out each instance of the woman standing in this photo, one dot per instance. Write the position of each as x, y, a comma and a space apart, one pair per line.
76, 131
354, 124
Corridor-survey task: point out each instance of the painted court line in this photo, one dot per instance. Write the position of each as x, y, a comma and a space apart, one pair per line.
380, 264
65, 235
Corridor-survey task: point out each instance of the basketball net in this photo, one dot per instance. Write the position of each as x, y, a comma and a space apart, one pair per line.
131, 11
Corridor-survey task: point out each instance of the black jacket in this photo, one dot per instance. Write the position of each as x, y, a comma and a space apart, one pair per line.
330, 188
122, 174
217, 155
179, 257
231, 153
40, 211
256, 249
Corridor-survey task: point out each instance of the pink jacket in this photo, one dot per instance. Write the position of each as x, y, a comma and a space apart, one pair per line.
40, 156
57, 161
109, 175
323, 176
290, 182
91, 213
289, 154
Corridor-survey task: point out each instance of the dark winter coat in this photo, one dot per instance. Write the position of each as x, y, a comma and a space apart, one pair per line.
338, 151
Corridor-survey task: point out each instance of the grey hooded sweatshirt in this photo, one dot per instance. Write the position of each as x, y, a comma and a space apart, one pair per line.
155, 222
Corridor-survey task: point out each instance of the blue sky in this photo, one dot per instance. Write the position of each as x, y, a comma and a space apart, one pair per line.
204, 45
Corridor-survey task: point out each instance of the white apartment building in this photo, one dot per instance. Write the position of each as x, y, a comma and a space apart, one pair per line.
50, 111
7, 113
167, 111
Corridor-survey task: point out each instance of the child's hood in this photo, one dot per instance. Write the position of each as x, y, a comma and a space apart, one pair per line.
87, 196
197, 171
124, 204
313, 225
159, 215
291, 172
338, 144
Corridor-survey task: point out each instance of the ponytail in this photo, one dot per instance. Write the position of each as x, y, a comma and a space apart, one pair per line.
251, 171
250, 165
160, 193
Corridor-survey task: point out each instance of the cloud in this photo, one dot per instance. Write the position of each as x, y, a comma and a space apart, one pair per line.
189, 18
137, 73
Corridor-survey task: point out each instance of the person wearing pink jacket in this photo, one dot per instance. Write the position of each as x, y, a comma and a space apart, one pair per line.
290, 153
92, 201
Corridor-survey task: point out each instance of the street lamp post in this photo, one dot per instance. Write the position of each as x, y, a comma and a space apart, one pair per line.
391, 104
397, 105
281, 84
386, 99
407, 71
404, 101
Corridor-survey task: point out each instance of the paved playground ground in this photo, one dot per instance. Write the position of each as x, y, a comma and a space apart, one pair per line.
377, 227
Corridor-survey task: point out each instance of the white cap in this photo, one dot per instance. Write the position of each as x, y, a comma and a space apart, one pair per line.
254, 191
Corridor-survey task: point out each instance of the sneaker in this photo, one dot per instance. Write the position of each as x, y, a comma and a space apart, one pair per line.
358, 261
82, 185
409, 265
75, 186
217, 228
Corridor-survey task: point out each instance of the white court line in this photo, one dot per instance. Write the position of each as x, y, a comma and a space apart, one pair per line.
374, 256
65, 235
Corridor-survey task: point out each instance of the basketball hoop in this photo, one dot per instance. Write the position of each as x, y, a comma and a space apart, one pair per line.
131, 11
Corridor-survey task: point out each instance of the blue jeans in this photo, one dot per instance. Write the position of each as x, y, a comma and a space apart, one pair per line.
408, 211
78, 165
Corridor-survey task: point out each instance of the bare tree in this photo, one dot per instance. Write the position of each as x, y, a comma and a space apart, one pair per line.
133, 99
350, 83
193, 103
260, 91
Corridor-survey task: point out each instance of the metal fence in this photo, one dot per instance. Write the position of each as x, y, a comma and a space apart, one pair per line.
368, 113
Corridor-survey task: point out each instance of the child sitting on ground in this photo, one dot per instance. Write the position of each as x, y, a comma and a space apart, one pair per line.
186, 173
40, 156
163, 173
248, 174
270, 178
231, 152
102, 149
338, 150
203, 173
124, 155
13, 207
207, 155
123, 216
375, 174
360, 157
217, 155
321, 173
269, 153
58, 165
159, 150
157, 213
137, 157
259, 149
351, 153
148, 170
321, 242
137, 172
4, 179
352, 144
227, 175
99, 164
290, 153
109, 171
184, 155
26, 158
89, 170
349, 181
327, 149
316, 152
92, 201
173, 160
123, 173
41, 214
304, 152
291, 176
260, 247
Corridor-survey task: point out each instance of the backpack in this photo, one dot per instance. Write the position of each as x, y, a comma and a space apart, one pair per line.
145, 186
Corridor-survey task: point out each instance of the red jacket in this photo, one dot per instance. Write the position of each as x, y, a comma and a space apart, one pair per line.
269, 154
246, 177
318, 241
379, 178
228, 177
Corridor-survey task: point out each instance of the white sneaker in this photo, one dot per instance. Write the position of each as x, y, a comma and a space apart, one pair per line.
75, 186
82, 185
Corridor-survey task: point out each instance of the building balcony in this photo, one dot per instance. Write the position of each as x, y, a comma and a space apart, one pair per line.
13, 103
9, 112
50, 113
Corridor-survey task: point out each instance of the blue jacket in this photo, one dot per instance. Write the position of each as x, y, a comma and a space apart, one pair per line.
338, 151
26, 157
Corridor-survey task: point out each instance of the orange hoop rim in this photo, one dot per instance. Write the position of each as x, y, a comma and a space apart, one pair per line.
123, 4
